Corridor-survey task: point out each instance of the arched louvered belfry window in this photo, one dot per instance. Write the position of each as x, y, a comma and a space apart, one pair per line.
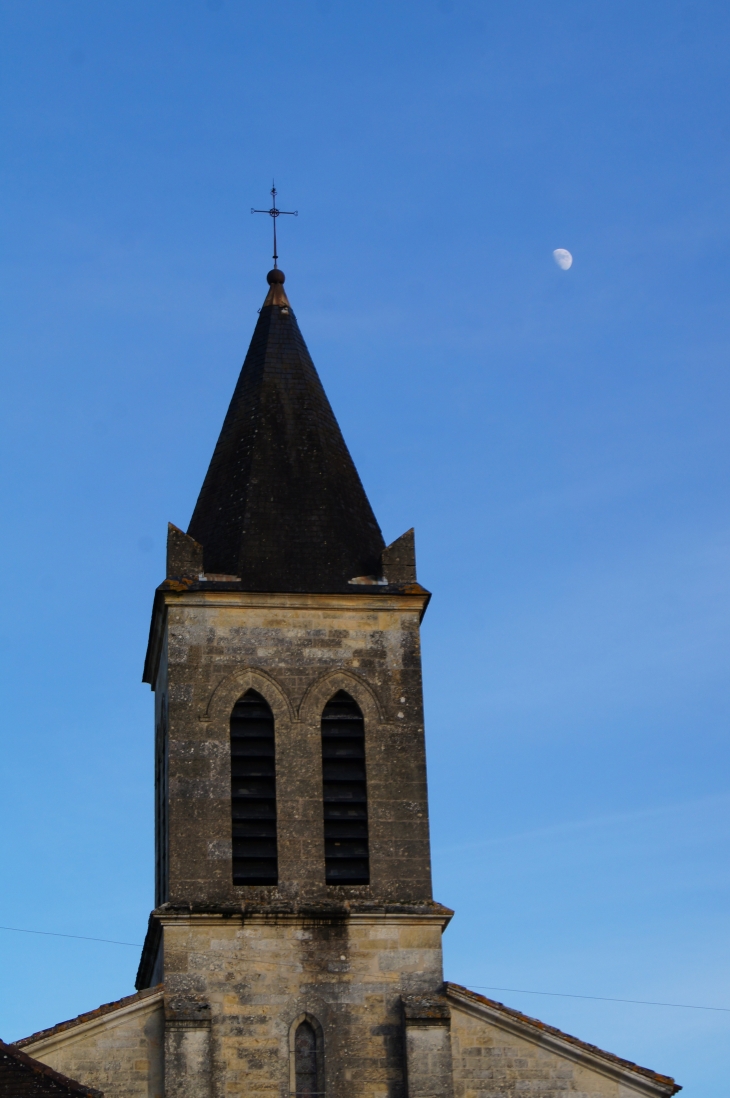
253, 792
345, 792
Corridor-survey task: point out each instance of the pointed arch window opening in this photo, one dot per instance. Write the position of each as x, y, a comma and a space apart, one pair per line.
309, 1062
253, 792
347, 858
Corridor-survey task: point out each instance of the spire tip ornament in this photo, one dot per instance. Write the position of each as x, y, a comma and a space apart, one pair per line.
273, 214
277, 293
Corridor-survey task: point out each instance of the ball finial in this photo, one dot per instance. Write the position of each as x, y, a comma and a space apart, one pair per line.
275, 276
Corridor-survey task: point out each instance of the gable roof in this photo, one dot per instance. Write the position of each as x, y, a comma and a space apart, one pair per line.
282, 505
129, 1001
23, 1077
562, 1043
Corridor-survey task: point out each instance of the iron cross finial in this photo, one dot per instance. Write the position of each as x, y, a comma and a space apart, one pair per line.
273, 214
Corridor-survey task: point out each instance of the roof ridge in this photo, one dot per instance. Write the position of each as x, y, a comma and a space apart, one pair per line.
527, 1019
89, 1016
39, 1068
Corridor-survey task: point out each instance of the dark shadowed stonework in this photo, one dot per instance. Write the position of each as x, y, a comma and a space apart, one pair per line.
23, 1077
282, 505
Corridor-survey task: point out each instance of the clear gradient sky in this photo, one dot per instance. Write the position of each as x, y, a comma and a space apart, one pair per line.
558, 439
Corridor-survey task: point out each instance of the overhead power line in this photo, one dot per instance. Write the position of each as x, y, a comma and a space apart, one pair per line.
80, 937
480, 987
599, 998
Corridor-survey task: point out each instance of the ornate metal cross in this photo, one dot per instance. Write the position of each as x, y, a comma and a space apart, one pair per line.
273, 214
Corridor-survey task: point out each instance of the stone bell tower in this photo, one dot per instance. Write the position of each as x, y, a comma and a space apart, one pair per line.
294, 928
295, 949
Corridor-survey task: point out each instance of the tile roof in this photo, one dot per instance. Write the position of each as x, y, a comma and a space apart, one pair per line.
282, 505
23, 1077
661, 1080
89, 1016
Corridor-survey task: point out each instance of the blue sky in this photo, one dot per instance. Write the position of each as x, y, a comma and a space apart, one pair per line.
558, 439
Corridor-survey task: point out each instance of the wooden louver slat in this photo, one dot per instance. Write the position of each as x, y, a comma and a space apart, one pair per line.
345, 792
253, 792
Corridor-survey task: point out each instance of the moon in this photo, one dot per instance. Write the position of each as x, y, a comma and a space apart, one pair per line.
563, 258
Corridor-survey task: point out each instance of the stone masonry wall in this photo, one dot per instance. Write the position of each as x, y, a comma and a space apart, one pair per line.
297, 651
261, 975
491, 1062
120, 1053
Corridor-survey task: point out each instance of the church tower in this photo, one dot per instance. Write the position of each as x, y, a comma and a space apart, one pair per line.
294, 930
295, 948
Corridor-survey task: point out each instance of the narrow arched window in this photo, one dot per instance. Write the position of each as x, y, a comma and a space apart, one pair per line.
345, 792
253, 792
306, 1071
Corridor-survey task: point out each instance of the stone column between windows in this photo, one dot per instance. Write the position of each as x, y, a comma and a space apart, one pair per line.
428, 1046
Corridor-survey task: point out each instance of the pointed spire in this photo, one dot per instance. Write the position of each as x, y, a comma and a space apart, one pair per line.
282, 505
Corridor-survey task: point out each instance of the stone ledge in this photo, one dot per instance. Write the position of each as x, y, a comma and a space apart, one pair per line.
317, 909
426, 1010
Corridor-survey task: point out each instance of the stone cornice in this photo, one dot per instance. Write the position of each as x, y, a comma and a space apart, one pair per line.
413, 600
279, 919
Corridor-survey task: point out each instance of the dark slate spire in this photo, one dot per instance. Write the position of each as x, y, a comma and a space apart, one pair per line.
282, 505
